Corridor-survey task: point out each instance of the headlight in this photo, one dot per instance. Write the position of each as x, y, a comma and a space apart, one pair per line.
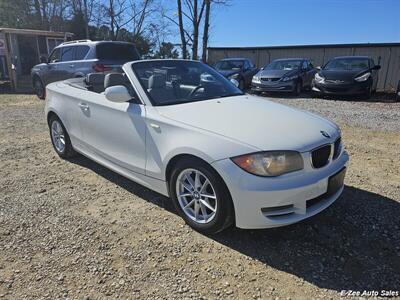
319, 78
270, 163
234, 76
363, 77
289, 78
256, 79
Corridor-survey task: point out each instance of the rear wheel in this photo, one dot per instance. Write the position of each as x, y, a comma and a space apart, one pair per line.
60, 138
200, 196
39, 88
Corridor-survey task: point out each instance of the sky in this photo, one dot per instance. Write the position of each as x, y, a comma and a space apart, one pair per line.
247, 23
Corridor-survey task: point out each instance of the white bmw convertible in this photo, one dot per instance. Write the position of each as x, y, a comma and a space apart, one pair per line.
180, 128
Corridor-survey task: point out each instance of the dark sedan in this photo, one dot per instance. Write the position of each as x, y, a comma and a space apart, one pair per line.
347, 75
240, 69
284, 75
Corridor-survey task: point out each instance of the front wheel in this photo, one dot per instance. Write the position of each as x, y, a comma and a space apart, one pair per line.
368, 93
60, 138
297, 89
200, 196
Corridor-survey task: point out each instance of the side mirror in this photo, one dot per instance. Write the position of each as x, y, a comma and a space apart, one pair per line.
117, 93
376, 67
43, 59
318, 68
234, 82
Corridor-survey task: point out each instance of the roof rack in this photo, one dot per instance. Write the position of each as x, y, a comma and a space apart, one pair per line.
75, 42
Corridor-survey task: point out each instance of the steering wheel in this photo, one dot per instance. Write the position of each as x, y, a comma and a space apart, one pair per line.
194, 91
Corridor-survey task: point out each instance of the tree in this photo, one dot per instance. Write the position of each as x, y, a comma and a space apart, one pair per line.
190, 15
181, 30
205, 31
166, 50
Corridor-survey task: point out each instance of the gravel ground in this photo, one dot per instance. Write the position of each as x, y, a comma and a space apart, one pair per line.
73, 229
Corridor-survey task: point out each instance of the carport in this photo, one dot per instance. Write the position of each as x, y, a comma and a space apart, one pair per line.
21, 49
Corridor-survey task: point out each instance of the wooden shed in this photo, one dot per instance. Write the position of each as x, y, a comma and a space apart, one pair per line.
21, 49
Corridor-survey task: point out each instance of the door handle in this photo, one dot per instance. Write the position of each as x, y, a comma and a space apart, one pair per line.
71, 66
83, 106
155, 126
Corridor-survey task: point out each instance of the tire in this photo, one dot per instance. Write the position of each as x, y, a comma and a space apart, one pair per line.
39, 88
297, 89
207, 222
60, 138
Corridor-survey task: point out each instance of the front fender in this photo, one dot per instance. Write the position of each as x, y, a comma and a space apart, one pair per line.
172, 138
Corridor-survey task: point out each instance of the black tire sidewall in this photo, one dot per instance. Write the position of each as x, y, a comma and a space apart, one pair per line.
35, 81
224, 216
297, 88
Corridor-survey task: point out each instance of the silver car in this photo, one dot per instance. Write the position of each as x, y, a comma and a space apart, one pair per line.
284, 75
79, 58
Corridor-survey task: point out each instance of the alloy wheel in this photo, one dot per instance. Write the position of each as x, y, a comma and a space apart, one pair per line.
196, 196
58, 136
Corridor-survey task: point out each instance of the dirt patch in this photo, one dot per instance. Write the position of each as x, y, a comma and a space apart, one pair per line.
75, 229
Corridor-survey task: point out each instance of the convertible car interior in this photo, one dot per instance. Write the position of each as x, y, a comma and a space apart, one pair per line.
163, 86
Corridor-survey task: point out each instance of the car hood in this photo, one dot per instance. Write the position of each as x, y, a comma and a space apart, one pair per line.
255, 121
345, 75
277, 73
228, 73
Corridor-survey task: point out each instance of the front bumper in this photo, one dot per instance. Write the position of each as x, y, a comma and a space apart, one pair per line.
341, 88
273, 86
286, 196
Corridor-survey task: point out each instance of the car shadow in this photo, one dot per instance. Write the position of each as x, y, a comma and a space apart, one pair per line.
352, 245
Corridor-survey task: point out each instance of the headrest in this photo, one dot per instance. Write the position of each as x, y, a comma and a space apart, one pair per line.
113, 79
94, 78
156, 81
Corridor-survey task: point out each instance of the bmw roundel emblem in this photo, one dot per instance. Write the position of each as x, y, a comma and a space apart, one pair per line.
325, 134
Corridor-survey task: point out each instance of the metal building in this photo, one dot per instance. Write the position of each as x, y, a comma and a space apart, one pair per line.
21, 49
385, 54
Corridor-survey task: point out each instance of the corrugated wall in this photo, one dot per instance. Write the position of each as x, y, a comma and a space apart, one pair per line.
387, 56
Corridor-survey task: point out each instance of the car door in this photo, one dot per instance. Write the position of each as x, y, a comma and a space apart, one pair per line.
66, 66
52, 71
307, 73
248, 72
114, 132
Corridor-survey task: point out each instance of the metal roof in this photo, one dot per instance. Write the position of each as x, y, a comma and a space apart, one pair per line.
35, 32
309, 46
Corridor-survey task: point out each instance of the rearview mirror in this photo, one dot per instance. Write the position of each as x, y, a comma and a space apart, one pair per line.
117, 93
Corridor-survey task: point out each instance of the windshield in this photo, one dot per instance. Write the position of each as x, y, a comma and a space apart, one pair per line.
286, 65
348, 64
170, 82
227, 65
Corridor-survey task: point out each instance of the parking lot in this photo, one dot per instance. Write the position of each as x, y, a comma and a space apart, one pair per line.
75, 229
